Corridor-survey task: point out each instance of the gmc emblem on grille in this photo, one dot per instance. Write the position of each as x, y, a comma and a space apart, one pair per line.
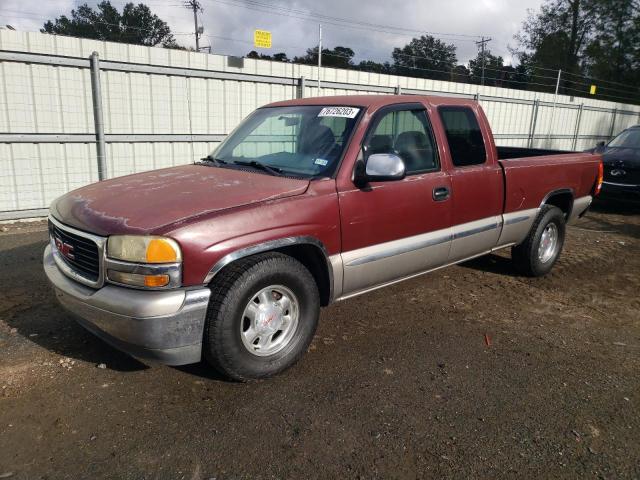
64, 248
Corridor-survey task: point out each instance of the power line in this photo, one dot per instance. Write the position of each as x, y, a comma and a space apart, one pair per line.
280, 11
581, 75
431, 70
258, 6
189, 4
601, 80
632, 93
256, 3
324, 17
33, 15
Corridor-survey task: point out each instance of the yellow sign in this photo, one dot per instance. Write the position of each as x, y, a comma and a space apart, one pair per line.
592, 91
261, 39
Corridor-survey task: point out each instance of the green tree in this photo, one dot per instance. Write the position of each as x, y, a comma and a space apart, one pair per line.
136, 24
558, 34
278, 57
518, 77
460, 74
614, 51
494, 72
425, 57
556, 37
338, 57
584, 38
375, 67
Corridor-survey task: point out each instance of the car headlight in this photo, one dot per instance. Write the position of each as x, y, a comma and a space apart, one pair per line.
144, 261
143, 249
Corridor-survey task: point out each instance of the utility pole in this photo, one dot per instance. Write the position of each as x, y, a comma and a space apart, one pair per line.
195, 6
483, 41
319, 56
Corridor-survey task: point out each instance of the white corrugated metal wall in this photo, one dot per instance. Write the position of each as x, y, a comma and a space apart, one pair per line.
48, 105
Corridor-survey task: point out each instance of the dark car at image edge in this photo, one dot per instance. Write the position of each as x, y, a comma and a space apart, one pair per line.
621, 160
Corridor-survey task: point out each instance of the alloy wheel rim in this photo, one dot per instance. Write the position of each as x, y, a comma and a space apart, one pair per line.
269, 320
548, 243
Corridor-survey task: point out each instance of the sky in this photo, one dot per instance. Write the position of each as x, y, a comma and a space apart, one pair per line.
229, 24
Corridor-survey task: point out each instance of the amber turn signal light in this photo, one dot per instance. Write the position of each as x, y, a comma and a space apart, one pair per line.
138, 280
156, 280
160, 250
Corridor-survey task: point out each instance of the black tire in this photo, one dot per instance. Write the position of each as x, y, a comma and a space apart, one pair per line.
525, 255
231, 292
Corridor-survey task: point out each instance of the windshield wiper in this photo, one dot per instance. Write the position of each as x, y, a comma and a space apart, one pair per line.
214, 160
260, 166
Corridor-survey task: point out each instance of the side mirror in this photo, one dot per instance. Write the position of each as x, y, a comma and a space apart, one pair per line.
600, 144
381, 167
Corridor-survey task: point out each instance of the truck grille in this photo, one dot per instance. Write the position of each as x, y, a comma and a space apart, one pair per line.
80, 253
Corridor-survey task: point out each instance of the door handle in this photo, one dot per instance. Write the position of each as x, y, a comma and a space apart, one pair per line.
441, 193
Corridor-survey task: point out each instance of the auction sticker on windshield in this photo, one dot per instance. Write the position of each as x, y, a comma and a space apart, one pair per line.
345, 112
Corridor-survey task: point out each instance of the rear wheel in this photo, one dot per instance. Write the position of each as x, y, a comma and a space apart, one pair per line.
262, 316
537, 254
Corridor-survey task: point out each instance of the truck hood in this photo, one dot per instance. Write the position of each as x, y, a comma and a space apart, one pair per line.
145, 203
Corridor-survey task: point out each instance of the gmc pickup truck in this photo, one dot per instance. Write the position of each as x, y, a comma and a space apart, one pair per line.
305, 203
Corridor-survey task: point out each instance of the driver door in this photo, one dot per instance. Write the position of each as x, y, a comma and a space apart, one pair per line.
395, 229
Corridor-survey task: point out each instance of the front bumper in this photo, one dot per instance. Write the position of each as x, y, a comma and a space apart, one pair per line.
166, 326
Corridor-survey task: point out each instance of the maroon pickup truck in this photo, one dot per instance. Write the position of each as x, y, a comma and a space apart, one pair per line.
306, 203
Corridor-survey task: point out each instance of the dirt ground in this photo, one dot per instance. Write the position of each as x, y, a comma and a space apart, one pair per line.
469, 372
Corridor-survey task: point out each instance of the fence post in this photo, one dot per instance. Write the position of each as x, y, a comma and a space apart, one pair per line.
398, 90
577, 129
300, 92
98, 120
613, 122
532, 123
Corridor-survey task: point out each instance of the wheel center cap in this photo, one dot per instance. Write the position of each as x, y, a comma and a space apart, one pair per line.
269, 319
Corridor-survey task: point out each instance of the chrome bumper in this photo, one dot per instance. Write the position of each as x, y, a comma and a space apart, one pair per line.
166, 326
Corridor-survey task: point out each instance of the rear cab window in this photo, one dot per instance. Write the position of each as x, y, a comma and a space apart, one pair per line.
463, 136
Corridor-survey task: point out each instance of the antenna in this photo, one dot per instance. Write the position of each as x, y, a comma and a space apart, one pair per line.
319, 58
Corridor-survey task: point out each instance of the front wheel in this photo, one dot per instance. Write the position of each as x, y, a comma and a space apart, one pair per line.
537, 254
262, 316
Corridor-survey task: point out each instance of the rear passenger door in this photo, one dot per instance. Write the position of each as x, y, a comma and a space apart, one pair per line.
394, 229
477, 183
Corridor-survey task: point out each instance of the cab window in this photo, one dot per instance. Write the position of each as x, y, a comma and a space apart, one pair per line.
405, 133
463, 136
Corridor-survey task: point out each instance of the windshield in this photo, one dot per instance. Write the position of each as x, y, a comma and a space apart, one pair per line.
627, 139
305, 141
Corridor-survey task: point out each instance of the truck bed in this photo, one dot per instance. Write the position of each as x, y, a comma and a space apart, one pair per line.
528, 180
506, 153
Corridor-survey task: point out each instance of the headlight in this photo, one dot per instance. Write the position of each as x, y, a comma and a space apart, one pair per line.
143, 249
144, 261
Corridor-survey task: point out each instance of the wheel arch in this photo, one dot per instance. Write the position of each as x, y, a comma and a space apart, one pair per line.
562, 198
308, 250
